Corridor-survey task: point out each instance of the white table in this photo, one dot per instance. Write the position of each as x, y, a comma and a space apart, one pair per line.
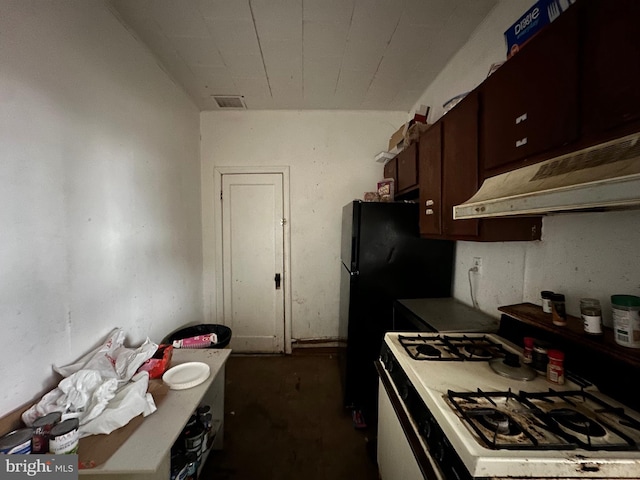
146, 454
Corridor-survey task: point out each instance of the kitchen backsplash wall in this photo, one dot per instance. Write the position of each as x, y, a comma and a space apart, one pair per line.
582, 254
99, 192
586, 255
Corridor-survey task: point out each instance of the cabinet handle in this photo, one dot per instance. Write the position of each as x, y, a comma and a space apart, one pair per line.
428, 203
428, 211
521, 118
520, 143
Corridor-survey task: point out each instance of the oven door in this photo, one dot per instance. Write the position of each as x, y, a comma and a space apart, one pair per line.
402, 455
410, 431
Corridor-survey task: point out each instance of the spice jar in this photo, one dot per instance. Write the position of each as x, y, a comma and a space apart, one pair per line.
591, 316
546, 295
558, 312
527, 353
626, 320
555, 367
540, 357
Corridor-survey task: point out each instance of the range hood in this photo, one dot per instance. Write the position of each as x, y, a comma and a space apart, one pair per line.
604, 176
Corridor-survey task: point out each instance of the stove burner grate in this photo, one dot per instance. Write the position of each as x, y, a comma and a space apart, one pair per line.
488, 415
577, 422
585, 420
451, 347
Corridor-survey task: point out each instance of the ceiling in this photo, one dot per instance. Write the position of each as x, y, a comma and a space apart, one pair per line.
304, 54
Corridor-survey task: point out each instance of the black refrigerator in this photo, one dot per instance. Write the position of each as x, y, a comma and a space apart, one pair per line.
383, 259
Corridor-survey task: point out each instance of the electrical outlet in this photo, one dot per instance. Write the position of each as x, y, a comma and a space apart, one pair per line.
477, 263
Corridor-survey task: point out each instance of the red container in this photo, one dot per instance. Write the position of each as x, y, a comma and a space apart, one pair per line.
555, 367
159, 363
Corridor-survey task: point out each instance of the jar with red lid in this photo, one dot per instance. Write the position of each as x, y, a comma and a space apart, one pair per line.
527, 352
555, 367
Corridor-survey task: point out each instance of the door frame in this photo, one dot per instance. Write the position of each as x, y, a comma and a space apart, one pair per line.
218, 172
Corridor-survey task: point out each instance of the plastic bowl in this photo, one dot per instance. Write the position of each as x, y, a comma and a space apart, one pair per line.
223, 332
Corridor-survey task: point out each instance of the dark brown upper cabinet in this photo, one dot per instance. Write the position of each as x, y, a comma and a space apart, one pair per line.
610, 62
403, 168
460, 164
530, 104
430, 166
407, 169
391, 169
449, 175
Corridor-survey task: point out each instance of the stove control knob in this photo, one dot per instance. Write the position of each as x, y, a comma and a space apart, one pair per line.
425, 428
385, 358
404, 391
440, 451
433, 429
390, 366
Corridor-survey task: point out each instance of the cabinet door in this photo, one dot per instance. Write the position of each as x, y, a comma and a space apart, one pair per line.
407, 169
460, 164
430, 165
530, 104
391, 171
610, 64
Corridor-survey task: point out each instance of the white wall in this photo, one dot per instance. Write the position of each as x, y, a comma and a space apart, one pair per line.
583, 254
331, 159
99, 191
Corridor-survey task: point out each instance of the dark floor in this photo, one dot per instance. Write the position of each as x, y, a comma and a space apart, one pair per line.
284, 420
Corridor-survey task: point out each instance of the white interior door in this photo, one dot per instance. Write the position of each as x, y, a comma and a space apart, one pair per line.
253, 255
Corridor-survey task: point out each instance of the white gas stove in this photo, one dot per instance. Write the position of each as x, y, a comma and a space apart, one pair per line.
463, 420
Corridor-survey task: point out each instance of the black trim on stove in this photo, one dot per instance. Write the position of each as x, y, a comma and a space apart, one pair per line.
418, 451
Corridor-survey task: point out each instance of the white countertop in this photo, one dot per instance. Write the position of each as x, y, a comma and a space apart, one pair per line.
144, 451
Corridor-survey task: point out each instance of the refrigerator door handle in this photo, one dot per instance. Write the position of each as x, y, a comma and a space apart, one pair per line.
354, 274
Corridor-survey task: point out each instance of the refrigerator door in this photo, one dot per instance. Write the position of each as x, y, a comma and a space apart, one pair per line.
348, 287
394, 262
350, 234
383, 259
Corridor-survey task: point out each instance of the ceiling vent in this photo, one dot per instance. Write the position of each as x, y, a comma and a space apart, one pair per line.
230, 102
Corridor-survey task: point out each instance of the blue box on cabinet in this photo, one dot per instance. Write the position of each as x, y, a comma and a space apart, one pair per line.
540, 14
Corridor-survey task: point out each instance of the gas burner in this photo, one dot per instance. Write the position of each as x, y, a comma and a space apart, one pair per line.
428, 350
496, 421
478, 351
577, 422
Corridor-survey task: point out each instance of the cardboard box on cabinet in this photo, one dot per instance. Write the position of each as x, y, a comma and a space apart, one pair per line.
397, 138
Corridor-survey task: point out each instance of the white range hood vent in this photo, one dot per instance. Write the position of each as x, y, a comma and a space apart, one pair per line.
605, 176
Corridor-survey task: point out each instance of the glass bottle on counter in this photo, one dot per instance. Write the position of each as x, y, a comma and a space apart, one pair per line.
591, 313
546, 295
558, 312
